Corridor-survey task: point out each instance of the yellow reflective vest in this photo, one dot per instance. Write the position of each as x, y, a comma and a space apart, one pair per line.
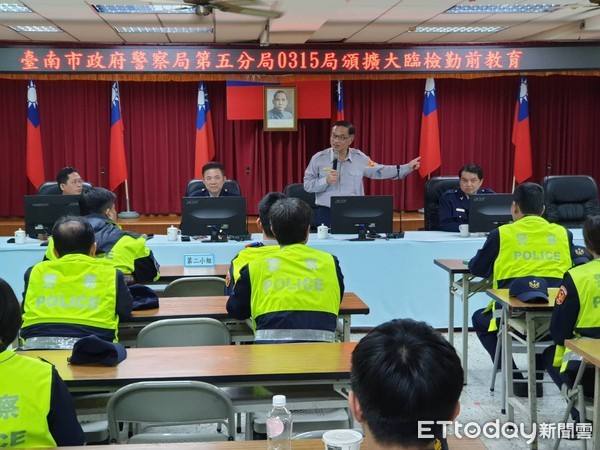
532, 246
25, 393
295, 278
249, 254
75, 289
585, 279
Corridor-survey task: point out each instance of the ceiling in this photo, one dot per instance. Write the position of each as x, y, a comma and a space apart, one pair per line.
306, 22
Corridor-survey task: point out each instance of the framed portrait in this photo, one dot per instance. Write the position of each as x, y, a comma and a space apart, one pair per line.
280, 108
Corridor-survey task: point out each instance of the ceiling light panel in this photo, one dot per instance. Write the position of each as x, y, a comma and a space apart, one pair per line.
164, 29
522, 8
36, 29
459, 29
144, 9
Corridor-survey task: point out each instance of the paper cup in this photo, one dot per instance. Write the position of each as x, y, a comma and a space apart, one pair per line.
342, 440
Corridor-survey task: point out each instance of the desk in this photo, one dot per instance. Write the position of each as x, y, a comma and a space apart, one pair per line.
396, 277
214, 306
300, 444
589, 349
534, 326
222, 365
170, 273
464, 287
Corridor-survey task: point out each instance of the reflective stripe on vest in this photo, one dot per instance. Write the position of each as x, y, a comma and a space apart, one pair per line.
25, 397
532, 246
295, 335
75, 289
297, 278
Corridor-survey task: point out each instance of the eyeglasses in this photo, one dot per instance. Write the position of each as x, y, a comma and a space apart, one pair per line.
339, 137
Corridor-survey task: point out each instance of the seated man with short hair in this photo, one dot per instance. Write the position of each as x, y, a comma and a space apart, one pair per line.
404, 377
294, 294
37, 408
125, 249
255, 250
213, 176
69, 181
454, 203
75, 295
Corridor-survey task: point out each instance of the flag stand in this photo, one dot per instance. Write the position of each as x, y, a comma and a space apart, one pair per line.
127, 214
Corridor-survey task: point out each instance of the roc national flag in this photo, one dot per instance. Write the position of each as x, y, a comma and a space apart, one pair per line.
521, 137
34, 156
339, 101
429, 145
205, 143
117, 173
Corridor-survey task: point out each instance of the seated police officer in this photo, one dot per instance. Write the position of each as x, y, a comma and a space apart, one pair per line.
530, 246
213, 176
294, 294
255, 250
404, 377
75, 295
37, 409
454, 203
125, 249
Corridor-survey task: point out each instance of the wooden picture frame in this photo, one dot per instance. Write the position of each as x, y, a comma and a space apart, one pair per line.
276, 118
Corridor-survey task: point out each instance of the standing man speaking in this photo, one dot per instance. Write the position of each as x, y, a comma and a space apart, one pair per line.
339, 170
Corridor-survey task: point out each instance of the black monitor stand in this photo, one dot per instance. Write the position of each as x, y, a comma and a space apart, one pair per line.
216, 235
364, 234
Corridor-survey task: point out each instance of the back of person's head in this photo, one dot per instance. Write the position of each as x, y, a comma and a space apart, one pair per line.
290, 219
591, 234
213, 165
346, 124
403, 372
264, 207
96, 200
529, 197
471, 168
63, 174
10, 315
71, 235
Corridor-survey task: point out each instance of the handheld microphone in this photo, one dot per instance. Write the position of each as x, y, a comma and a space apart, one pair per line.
336, 155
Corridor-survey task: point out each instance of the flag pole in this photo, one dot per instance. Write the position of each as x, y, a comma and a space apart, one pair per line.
127, 214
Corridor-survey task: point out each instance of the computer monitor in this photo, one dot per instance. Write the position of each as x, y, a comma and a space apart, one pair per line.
42, 211
366, 215
489, 211
217, 217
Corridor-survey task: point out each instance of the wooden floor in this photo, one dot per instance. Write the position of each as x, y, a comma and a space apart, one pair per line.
411, 221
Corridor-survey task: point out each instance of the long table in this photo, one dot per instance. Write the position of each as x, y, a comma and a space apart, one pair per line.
214, 307
463, 443
397, 278
229, 365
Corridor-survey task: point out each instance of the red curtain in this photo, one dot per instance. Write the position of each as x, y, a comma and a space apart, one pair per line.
475, 117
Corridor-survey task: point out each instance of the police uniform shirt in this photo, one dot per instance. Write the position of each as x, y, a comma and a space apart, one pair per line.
350, 174
224, 193
454, 208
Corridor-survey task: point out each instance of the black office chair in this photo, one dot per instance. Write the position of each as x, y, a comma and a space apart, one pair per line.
570, 199
296, 190
434, 188
51, 188
197, 184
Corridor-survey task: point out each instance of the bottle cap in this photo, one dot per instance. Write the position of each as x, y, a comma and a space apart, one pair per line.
279, 400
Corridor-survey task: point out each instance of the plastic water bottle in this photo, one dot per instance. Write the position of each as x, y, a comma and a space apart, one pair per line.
279, 425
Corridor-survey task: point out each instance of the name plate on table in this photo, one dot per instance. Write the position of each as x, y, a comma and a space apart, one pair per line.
199, 260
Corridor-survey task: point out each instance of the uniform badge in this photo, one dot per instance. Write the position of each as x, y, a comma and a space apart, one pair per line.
227, 280
327, 169
560, 297
371, 163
